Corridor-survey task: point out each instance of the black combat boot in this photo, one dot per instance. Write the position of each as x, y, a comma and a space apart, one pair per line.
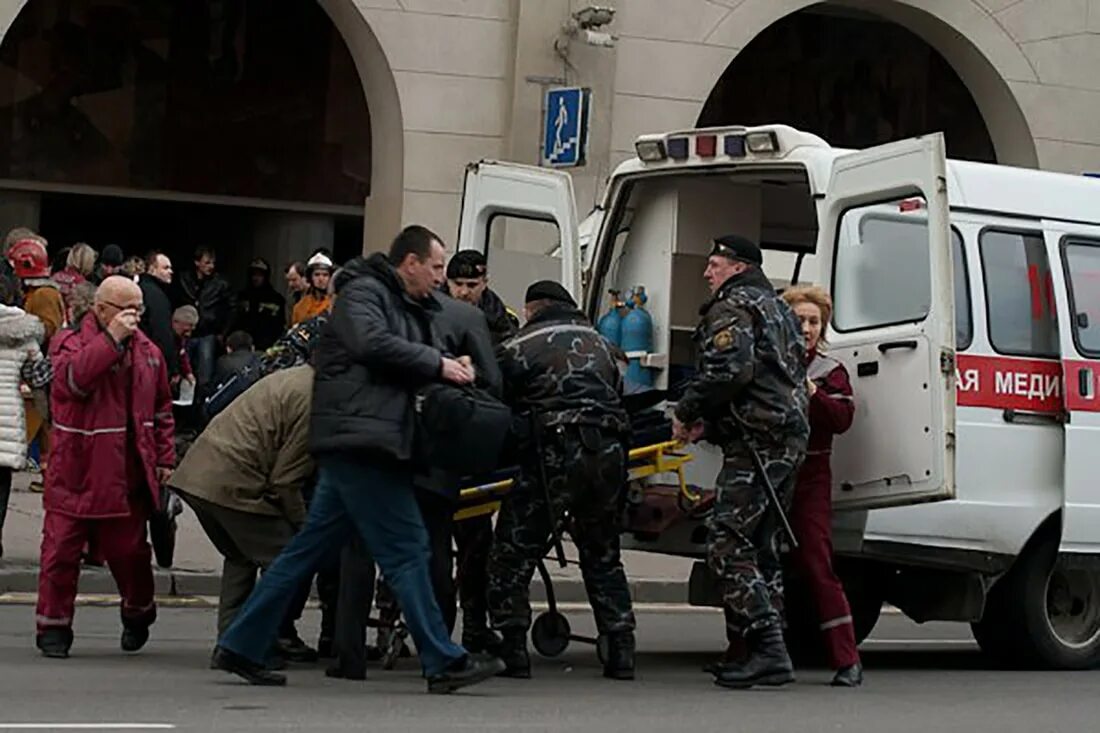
513, 652
54, 643
768, 663
477, 637
620, 656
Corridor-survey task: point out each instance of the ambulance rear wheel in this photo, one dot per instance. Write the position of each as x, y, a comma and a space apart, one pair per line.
1044, 613
550, 634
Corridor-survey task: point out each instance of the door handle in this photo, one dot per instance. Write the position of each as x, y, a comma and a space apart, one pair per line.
910, 345
1084, 383
1028, 417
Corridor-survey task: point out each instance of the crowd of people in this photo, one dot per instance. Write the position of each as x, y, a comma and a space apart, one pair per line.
332, 443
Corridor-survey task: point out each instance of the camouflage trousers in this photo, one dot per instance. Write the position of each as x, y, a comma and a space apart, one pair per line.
744, 537
585, 481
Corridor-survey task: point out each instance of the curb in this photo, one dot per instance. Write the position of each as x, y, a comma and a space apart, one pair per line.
17, 583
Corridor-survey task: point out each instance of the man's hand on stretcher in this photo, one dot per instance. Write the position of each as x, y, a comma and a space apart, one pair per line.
687, 433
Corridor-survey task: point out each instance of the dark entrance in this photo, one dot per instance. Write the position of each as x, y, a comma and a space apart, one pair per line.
852, 78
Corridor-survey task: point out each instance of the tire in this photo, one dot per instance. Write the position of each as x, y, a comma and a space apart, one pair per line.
1045, 613
864, 583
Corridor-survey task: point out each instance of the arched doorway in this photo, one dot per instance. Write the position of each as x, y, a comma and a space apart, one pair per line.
856, 78
240, 124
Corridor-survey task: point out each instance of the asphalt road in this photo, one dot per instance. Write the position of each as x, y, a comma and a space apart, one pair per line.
921, 679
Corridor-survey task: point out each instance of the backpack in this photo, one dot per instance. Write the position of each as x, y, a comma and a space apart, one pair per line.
460, 429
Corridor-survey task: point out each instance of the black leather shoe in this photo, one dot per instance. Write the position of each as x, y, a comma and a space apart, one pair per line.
293, 649
620, 657
55, 643
254, 674
134, 638
513, 653
470, 670
848, 676
768, 663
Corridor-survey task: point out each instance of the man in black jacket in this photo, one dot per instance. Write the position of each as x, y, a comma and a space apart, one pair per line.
156, 321
468, 281
210, 294
460, 330
374, 353
261, 310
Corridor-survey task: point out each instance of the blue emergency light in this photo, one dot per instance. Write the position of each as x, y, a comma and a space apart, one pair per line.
734, 145
677, 148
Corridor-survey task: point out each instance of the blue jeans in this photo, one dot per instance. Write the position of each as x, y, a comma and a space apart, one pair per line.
203, 353
379, 504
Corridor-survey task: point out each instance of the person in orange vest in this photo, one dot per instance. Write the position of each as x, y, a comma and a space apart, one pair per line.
317, 299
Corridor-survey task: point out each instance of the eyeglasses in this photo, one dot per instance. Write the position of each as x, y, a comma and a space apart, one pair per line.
139, 309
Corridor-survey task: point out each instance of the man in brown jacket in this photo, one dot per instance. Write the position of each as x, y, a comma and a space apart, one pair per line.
244, 476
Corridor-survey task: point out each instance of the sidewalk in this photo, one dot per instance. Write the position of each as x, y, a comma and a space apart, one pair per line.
197, 569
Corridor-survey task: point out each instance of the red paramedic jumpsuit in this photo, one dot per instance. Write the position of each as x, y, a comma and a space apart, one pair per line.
112, 419
831, 413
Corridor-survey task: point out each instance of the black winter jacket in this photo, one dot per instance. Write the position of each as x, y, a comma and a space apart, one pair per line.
156, 321
213, 299
459, 330
261, 313
374, 352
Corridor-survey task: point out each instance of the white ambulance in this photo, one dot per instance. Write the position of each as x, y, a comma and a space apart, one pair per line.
967, 311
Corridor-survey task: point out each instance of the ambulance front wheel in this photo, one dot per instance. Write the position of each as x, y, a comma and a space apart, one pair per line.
1045, 612
550, 634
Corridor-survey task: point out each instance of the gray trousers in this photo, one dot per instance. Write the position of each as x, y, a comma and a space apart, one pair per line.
248, 542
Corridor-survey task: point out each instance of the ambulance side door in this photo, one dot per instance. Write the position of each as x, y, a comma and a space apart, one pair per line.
884, 238
1074, 252
524, 219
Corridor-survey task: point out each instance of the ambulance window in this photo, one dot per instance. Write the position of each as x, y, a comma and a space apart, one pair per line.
1083, 266
1019, 293
882, 274
964, 324
521, 251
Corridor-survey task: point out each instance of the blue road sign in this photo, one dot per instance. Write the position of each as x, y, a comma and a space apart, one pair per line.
565, 129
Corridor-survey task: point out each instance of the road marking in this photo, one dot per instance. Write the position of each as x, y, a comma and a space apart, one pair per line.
86, 726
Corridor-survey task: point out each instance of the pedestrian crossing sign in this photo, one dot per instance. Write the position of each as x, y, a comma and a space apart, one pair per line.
565, 127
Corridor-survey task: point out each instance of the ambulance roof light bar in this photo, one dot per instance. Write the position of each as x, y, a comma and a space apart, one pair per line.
706, 144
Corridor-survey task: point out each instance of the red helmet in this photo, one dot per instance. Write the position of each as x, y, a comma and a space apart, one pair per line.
29, 259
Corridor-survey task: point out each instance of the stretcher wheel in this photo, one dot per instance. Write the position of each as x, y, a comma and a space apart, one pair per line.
550, 634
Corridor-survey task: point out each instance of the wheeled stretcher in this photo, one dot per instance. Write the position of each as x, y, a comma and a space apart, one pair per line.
551, 633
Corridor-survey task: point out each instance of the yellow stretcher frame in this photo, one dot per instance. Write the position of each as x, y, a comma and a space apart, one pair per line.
666, 457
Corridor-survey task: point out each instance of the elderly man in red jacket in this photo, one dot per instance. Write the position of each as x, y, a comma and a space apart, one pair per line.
112, 412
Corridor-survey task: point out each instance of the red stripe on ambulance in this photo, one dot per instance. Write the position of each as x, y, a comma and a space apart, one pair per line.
1010, 384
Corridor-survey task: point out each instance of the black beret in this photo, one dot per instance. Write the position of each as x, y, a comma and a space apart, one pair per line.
735, 247
469, 263
549, 290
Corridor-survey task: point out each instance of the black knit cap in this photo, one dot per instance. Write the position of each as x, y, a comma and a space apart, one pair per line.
112, 255
735, 247
549, 290
468, 264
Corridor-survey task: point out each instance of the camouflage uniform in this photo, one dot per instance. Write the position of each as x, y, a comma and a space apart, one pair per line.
750, 385
294, 347
560, 369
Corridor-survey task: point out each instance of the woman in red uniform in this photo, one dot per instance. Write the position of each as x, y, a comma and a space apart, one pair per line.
831, 413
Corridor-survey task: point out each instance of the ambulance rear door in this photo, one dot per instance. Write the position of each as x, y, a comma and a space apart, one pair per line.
884, 235
525, 221
1074, 251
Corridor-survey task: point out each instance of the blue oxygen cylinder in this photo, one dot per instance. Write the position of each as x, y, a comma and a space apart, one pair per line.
611, 325
637, 335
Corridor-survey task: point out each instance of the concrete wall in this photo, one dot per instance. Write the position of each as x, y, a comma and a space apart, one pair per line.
449, 81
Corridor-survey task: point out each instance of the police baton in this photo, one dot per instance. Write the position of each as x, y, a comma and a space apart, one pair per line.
773, 497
